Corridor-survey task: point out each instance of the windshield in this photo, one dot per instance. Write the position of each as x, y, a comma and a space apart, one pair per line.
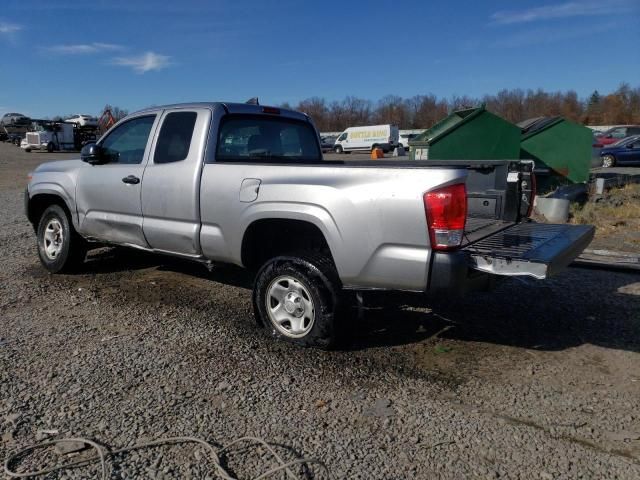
266, 138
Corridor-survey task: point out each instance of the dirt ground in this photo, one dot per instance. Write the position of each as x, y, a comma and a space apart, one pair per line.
537, 379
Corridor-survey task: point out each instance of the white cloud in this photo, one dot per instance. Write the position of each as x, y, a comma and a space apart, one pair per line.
9, 28
146, 62
562, 10
546, 35
84, 48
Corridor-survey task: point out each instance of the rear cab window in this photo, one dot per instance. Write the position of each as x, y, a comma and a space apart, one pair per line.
266, 139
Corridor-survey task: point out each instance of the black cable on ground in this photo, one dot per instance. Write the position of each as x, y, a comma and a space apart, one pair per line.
102, 456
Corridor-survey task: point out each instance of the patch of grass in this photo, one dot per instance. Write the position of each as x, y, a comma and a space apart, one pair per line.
440, 348
617, 211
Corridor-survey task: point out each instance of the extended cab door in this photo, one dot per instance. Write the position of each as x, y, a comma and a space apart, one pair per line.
171, 186
108, 195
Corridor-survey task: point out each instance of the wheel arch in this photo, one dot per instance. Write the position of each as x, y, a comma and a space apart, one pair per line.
38, 202
272, 236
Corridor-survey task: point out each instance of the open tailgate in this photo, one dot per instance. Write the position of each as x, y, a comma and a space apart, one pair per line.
535, 249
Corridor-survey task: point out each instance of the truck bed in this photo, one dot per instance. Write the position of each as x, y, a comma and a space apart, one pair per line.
477, 228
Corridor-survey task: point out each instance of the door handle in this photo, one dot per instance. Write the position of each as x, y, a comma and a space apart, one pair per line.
131, 179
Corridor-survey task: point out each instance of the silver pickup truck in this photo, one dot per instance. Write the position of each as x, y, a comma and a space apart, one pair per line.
248, 185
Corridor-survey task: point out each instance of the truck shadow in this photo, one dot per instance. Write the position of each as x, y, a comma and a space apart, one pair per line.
119, 259
577, 307
580, 306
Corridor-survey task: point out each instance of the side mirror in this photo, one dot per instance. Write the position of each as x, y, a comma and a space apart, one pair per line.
93, 154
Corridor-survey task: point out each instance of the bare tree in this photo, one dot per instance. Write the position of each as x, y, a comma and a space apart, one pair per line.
117, 112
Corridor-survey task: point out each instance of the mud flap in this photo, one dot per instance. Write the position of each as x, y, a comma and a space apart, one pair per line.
537, 250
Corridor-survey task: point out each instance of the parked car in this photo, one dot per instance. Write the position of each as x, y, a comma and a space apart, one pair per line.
365, 139
15, 119
83, 120
327, 143
247, 185
615, 134
626, 151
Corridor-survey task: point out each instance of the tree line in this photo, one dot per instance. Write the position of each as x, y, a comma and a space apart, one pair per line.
422, 111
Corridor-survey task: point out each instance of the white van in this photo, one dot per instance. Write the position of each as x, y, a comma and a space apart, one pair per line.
355, 139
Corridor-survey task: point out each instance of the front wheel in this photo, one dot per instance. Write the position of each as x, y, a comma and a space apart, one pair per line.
608, 161
60, 248
338, 149
298, 299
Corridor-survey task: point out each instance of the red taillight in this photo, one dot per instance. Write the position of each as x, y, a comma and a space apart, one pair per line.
271, 110
446, 210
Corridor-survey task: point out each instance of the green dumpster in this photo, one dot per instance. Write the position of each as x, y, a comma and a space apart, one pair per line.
560, 148
469, 134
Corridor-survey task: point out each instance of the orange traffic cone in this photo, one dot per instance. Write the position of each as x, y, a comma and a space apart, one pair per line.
377, 153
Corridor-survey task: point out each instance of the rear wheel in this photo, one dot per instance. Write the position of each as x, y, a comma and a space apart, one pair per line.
60, 248
298, 299
608, 161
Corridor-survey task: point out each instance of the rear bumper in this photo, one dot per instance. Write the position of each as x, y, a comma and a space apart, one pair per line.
449, 271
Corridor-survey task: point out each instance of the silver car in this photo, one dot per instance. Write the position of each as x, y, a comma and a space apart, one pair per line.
15, 119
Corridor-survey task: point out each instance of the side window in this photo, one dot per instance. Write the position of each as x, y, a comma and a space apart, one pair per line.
342, 137
175, 137
126, 143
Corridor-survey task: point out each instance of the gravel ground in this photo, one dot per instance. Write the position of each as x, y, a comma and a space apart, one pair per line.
534, 380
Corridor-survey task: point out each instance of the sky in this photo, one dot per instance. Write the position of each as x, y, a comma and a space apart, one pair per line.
61, 57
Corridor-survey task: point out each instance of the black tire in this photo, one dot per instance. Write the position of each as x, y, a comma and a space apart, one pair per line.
318, 275
338, 149
71, 249
50, 147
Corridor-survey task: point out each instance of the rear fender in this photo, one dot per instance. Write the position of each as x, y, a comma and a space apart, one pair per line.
310, 213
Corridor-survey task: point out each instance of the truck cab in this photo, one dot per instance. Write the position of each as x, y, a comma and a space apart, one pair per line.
49, 136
